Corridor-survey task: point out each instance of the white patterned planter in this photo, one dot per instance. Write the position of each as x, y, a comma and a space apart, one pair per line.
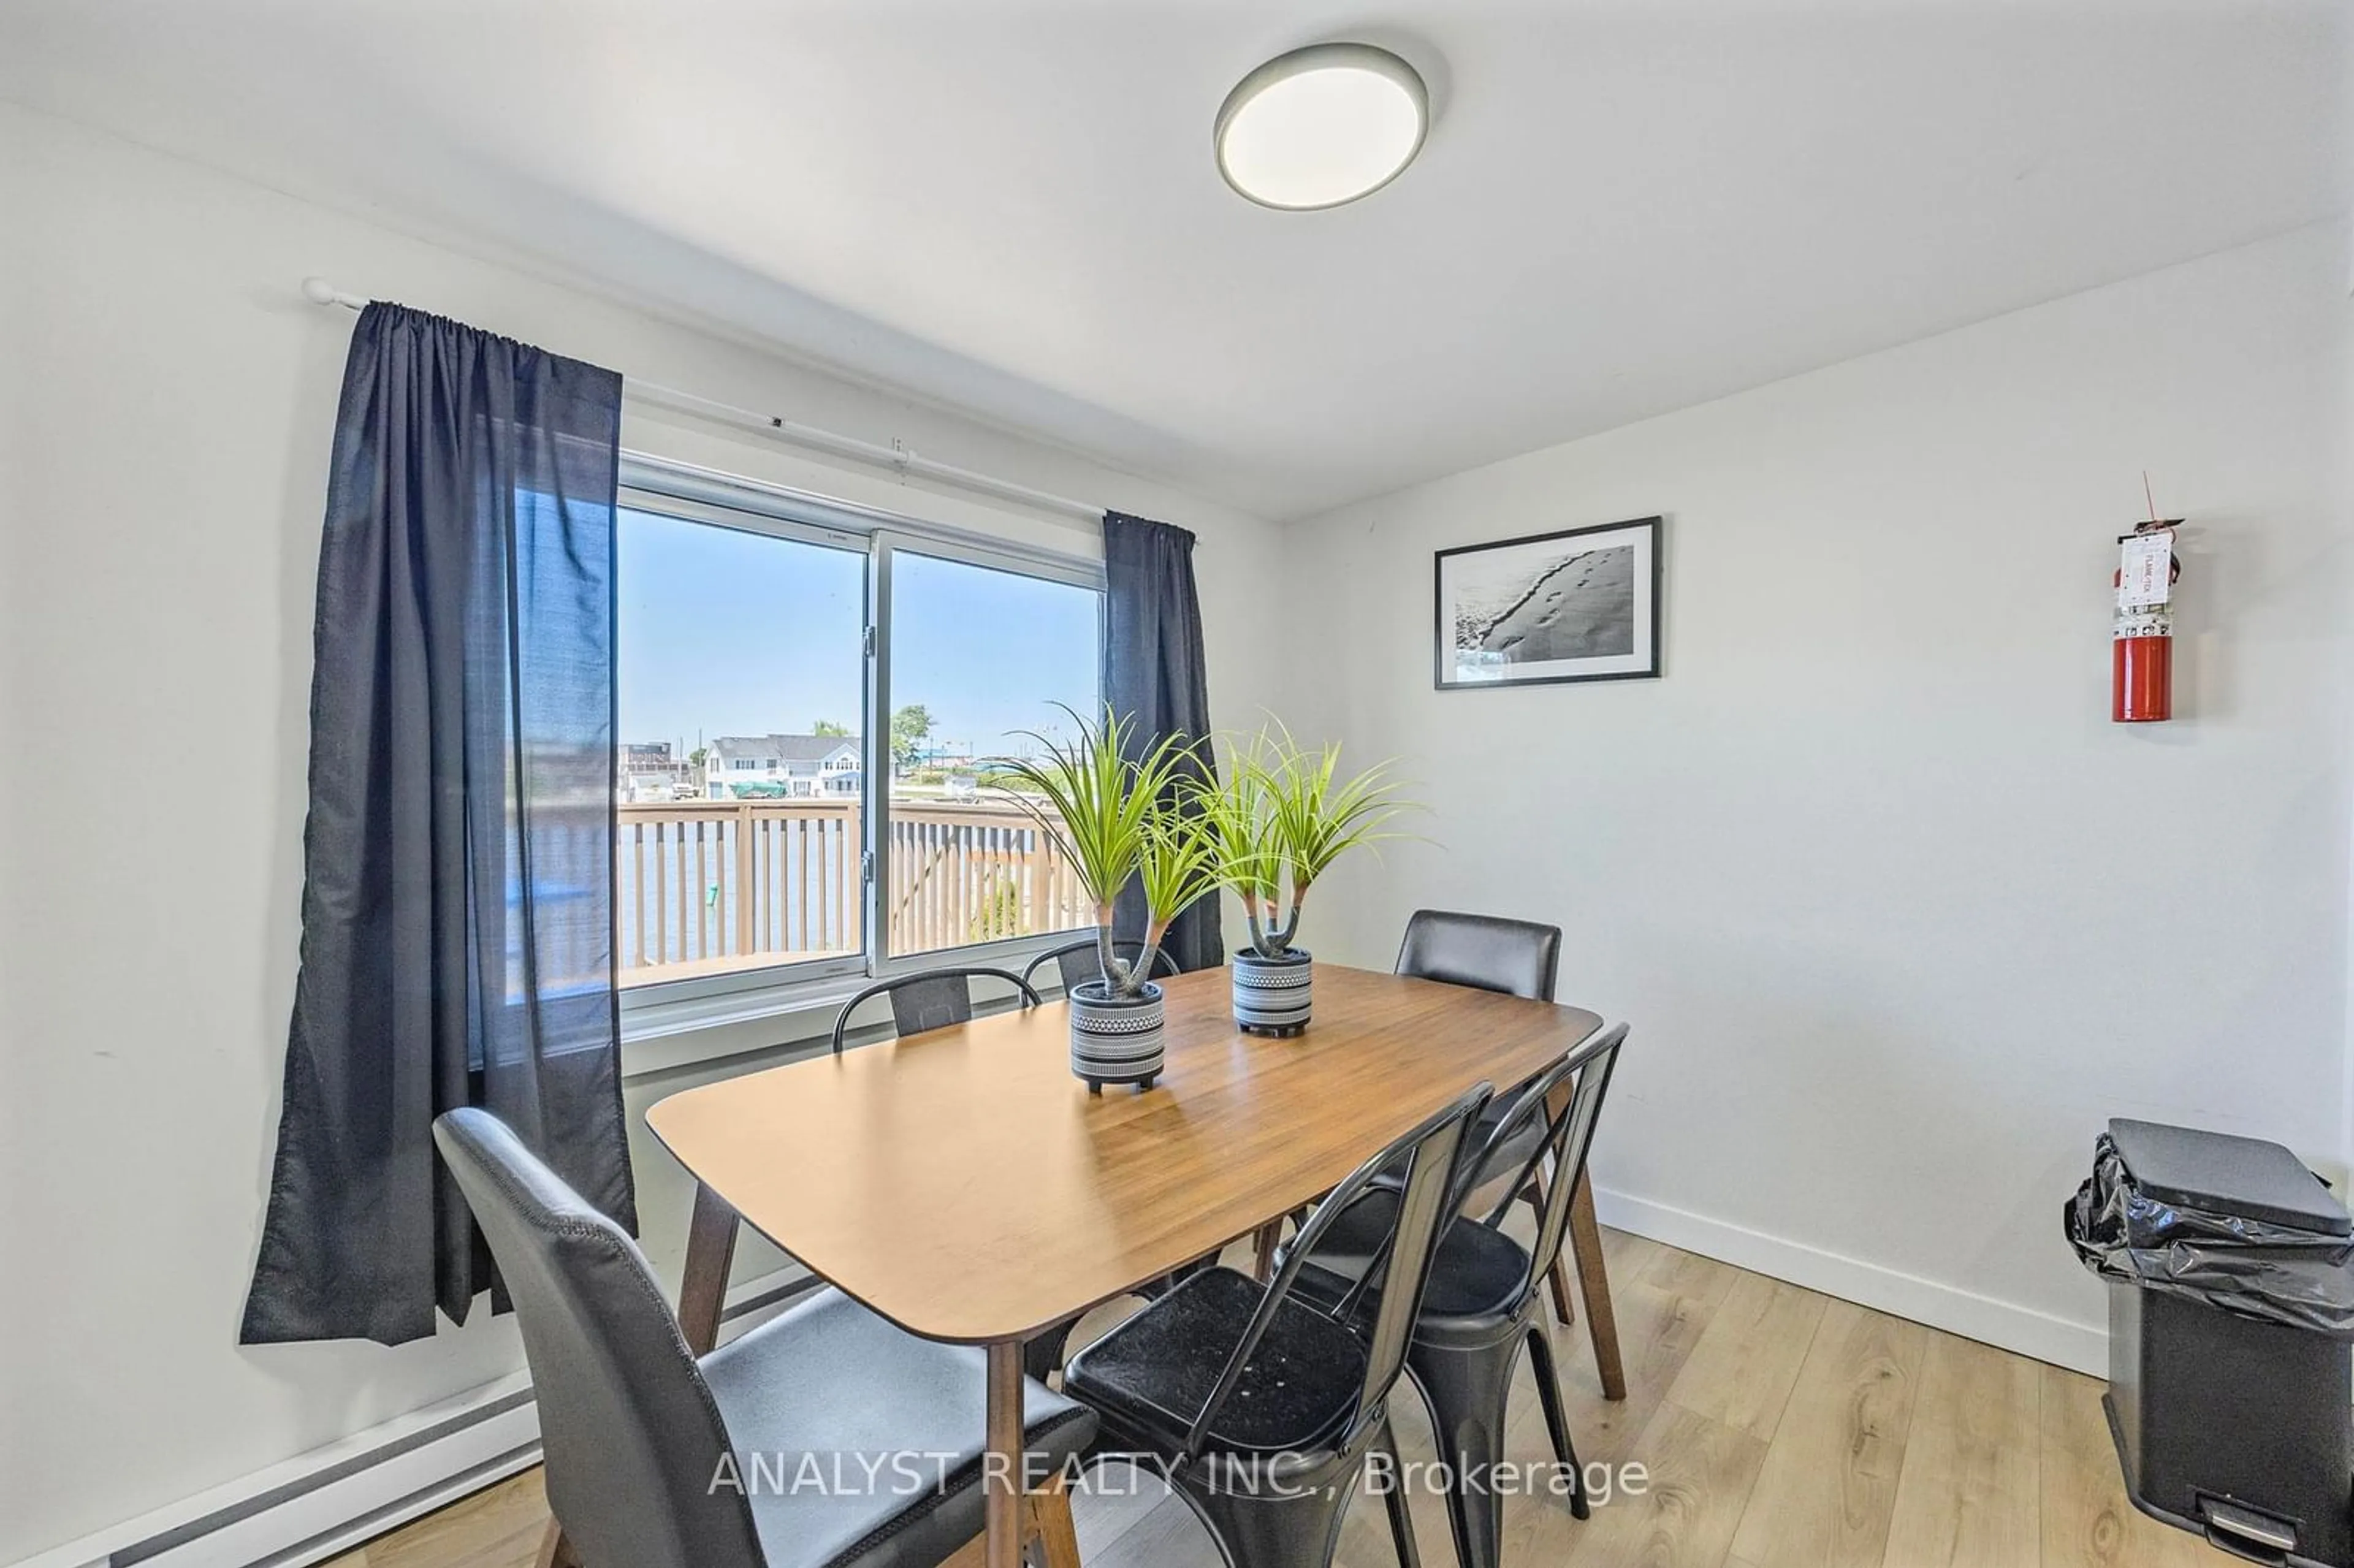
1116, 1039
1272, 995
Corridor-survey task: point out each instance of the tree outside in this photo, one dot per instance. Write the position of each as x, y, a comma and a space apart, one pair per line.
910, 727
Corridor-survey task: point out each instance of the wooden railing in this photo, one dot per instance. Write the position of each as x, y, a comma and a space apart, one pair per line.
708, 888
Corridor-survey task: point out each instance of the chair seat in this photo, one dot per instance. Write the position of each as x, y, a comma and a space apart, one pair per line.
868, 1440
1153, 1374
1477, 1280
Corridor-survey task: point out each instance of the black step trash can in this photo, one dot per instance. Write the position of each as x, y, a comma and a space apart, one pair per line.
2231, 1275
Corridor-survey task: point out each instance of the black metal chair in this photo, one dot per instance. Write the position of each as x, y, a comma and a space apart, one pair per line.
1480, 1306
1077, 962
654, 1458
1517, 958
932, 1000
1261, 1407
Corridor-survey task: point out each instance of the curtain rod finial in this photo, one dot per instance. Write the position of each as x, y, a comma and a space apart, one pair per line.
319, 291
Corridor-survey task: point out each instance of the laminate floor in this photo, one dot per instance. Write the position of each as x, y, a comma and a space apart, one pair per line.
1777, 1428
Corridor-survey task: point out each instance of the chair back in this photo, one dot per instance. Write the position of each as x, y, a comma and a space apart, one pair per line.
1077, 962
1519, 957
1430, 1156
1569, 1138
932, 1000
632, 1437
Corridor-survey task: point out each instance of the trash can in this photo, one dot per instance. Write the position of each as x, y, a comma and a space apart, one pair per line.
2231, 1275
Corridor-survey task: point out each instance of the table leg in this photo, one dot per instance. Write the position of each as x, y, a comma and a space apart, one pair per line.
1594, 1283
1269, 1237
1050, 1522
1002, 1460
703, 1287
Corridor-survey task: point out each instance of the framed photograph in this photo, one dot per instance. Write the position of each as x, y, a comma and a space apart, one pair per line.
1579, 605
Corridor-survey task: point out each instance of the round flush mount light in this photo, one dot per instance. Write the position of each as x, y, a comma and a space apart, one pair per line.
1322, 126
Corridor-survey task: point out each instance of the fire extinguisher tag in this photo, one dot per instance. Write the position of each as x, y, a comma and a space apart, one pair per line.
2144, 575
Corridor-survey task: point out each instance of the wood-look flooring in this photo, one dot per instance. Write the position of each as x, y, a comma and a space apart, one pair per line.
1779, 1428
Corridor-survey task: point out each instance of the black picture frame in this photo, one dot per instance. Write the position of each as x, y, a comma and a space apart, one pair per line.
1639, 663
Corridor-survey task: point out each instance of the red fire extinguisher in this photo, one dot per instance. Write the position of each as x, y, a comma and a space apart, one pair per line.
2141, 657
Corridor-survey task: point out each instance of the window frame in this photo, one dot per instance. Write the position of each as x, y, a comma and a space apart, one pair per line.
701, 495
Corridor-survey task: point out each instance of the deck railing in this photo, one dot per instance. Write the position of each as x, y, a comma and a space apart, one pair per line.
711, 887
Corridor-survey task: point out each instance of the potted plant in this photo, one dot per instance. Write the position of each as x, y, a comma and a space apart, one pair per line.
1117, 820
1278, 823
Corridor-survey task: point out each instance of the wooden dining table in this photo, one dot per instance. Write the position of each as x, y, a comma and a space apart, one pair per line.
964, 1185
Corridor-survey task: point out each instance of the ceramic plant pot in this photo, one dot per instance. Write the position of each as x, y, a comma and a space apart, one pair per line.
1271, 995
1116, 1039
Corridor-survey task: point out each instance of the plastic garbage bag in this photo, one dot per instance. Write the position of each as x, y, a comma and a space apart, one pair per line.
2300, 1279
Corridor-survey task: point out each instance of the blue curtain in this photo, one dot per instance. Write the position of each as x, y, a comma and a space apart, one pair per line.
1155, 673
458, 894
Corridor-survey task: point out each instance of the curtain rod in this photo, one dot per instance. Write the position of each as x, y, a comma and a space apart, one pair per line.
900, 459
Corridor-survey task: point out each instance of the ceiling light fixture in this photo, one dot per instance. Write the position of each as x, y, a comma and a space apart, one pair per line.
1322, 126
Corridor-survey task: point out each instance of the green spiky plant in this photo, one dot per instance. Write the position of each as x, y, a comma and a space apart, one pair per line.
1118, 821
1282, 817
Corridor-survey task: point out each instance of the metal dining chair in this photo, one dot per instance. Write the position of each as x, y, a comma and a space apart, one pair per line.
655, 1458
1262, 1407
1078, 963
1517, 958
934, 999
1481, 1305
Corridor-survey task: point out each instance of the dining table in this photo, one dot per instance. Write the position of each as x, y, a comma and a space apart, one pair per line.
965, 1186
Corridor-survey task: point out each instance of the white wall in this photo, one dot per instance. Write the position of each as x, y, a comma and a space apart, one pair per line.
1898, 916
168, 401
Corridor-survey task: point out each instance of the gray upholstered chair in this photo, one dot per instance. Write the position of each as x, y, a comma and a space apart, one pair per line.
1517, 958
658, 1460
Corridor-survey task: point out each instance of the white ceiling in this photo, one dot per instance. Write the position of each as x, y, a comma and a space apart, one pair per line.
1624, 207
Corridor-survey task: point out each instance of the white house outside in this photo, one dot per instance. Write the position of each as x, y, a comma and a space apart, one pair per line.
746, 766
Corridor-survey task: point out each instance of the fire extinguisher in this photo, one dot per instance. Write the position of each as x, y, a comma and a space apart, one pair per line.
2141, 658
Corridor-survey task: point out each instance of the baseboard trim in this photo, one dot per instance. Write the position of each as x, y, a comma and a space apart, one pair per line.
2081, 1346
322, 1503
307, 1509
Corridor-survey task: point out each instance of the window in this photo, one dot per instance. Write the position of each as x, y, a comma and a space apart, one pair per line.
802, 836
978, 655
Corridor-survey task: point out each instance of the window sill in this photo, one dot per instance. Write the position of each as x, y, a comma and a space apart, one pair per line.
661, 1034
666, 1033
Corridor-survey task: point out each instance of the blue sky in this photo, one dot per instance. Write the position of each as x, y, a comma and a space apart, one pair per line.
724, 632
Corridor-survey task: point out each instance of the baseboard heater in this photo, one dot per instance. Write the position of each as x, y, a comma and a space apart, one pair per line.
330, 1501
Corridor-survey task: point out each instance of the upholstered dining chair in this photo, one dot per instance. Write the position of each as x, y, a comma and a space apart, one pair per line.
1518, 957
1481, 1307
1261, 1408
655, 1458
931, 1000
1077, 962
